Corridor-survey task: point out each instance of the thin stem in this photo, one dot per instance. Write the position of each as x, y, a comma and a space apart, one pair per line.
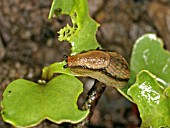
91, 101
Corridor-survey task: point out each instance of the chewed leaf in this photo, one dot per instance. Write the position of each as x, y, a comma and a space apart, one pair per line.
81, 34
148, 54
26, 103
67, 33
153, 102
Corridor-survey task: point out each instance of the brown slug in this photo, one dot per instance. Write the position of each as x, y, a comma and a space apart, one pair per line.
109, 68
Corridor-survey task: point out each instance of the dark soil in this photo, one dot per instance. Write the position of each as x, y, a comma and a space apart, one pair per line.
28, 42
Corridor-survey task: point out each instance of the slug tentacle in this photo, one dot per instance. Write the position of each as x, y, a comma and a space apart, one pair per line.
65, 57
65, 66
107, 67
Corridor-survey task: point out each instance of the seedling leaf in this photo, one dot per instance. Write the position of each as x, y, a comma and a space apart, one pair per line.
152, 100
26, 103
148, 54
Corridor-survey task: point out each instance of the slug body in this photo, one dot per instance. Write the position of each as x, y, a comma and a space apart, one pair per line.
92, 60
107, 67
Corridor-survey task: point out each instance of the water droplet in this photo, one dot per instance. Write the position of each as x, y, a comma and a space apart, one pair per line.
161, 81
164, 68
152, 36
147, 92
145, 56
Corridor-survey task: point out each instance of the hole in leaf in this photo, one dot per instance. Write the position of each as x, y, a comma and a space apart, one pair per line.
75, 26
75, 14
64, 33
3, 113
68, 35
57, 11
68, 31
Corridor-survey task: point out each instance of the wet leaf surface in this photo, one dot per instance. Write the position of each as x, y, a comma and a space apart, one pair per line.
152, 100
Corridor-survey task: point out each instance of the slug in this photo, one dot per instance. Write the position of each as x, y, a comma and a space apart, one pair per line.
109, 68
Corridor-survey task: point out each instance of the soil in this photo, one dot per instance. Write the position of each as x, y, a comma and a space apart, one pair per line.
28, 42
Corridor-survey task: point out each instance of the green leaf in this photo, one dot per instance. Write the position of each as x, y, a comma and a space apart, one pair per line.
81, 34
148, 54
153, 102
26, 103
49, 71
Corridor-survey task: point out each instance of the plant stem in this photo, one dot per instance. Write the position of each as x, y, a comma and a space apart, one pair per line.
91, 101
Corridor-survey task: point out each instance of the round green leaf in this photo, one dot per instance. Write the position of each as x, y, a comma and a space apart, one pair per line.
26, 103
152, 101
148, 54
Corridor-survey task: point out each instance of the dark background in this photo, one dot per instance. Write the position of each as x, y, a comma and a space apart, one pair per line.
28, 42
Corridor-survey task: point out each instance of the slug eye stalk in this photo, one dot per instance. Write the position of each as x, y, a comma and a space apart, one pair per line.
65, 57
65, 66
